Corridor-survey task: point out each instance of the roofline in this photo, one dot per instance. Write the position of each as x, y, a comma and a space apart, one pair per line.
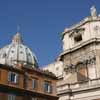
42, 72
84, 21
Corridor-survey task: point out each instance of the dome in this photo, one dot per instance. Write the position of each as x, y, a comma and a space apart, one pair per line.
17, 53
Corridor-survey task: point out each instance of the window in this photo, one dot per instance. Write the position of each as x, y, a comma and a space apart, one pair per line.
82, 74
12, 51
57, 68
78, 38
11, 97
21, 52
29, 54
20, 46
0, 74
47, 87
13, 77
34, 99
34, 83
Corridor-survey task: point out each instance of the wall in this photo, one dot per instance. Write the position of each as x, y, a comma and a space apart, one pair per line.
91, 30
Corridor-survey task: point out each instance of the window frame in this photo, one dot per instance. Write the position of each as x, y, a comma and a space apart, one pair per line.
34, 83
78, 38
13, 79
0, 74
48, 87
11, 97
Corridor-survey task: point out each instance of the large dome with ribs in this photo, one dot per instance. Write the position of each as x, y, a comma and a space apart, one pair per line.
17, 53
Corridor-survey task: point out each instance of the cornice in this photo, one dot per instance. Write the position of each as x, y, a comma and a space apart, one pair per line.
80, 45
81, 23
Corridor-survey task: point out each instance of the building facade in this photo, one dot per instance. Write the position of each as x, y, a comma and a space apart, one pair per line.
80, 76
20, 75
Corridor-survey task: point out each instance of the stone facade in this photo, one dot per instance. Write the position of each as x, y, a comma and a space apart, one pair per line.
57, 68
81, 60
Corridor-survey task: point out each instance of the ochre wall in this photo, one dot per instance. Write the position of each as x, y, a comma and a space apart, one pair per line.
40, 82
31, 74
4, 79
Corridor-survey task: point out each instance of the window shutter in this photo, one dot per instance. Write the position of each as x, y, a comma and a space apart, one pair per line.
9, 76
13, 77
51, 88
48, 87
44, 87
17, 78
11, 97
34, 83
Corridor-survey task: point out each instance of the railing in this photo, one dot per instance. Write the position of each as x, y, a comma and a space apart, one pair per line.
87, 84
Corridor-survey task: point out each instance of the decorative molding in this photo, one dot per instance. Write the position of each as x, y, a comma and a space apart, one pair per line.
76, 32
71, 68
88, 42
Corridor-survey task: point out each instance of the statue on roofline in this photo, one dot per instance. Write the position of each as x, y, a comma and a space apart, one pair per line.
93, 11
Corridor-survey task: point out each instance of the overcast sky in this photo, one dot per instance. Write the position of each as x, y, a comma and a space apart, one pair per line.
41, 23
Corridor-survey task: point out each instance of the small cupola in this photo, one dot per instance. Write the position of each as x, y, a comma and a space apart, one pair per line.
17, 38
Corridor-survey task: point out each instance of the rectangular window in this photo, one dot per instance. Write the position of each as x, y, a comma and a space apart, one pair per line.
0, 74
78, 38
34, 99
34, 83
47, 87
13, 77
11, 97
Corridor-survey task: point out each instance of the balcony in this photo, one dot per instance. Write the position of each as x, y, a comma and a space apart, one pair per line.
63, 87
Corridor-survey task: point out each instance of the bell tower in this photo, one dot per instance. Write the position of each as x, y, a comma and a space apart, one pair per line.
81, 49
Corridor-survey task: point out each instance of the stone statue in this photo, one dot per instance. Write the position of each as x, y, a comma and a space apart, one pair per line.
93, 11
